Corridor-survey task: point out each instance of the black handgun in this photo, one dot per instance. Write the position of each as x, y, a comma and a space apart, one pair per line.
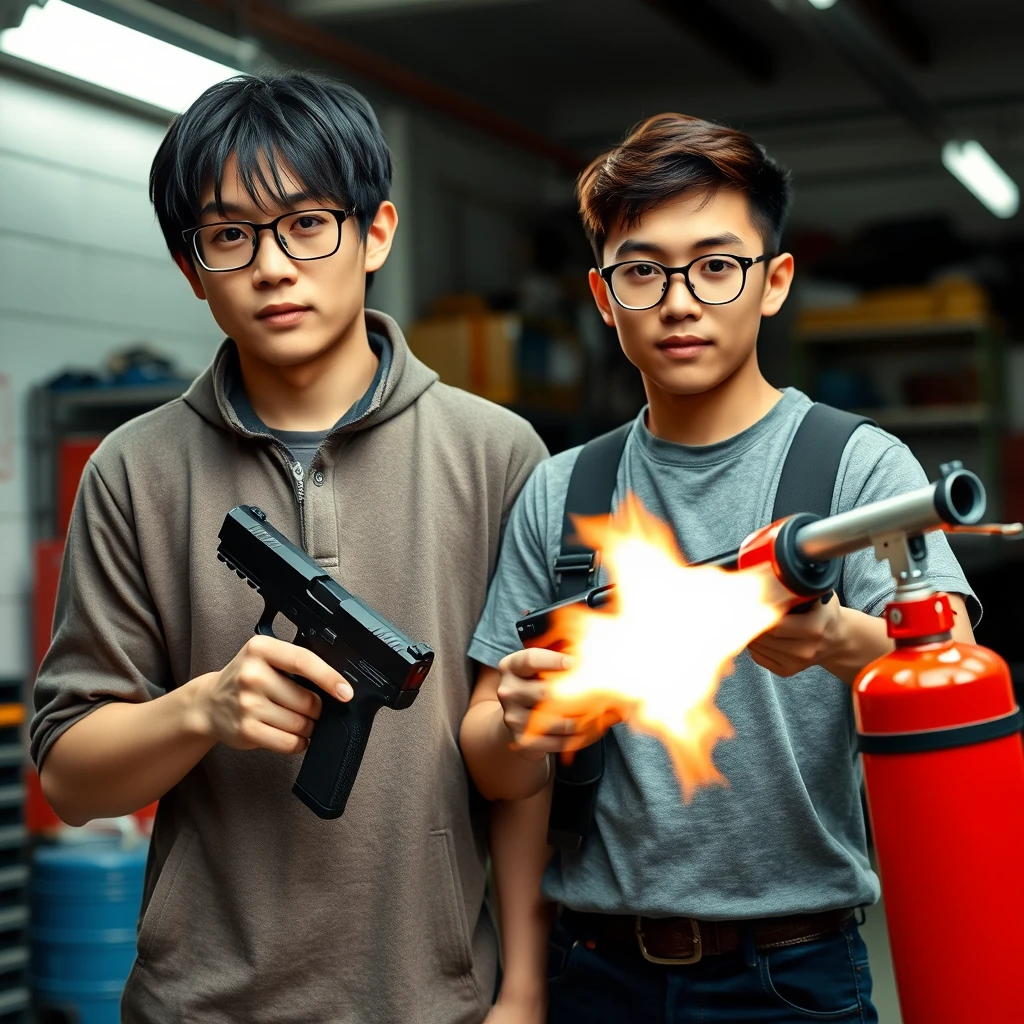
383, 665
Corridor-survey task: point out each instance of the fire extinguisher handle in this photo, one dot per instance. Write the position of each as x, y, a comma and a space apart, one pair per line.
806, 606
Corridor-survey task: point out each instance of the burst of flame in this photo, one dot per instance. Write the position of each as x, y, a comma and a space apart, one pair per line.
656, 657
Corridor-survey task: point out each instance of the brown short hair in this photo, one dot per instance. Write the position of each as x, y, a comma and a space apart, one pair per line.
669, 155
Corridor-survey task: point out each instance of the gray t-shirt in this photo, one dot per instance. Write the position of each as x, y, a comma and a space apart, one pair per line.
786, 835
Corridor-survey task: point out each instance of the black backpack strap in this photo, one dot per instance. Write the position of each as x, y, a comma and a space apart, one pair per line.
811, 469
590, 493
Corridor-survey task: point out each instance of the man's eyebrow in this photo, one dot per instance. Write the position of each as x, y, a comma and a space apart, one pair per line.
726, 238
234, 210
632, 246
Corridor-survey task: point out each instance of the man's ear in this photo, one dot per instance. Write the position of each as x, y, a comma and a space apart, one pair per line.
600, 292
188, 269
778, 280
380, 236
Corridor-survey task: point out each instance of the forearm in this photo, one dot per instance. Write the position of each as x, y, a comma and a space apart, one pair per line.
499, 772
519, 854
862, 640
123, 756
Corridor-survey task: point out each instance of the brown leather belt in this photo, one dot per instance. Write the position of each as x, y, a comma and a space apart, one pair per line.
685, 940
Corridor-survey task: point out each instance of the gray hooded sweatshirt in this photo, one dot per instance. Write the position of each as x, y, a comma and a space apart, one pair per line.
255, 910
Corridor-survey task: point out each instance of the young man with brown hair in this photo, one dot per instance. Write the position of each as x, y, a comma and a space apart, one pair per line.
739, 905
272, 193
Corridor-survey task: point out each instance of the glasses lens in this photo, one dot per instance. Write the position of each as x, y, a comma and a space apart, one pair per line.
716, 278
309, 234
225, 246
638, 285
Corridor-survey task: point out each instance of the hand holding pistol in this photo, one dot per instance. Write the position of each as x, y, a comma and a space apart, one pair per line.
383, 667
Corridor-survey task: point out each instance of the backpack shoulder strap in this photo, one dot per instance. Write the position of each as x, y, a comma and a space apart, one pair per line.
590, 493
809, 474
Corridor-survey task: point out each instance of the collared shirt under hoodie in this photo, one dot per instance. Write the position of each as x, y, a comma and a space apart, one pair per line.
254, 909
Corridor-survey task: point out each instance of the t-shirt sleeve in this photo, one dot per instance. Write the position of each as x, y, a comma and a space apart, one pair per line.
107, 641
876, 466
524, 577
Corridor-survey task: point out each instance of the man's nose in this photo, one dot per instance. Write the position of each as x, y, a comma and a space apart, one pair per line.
271, 264
679, 302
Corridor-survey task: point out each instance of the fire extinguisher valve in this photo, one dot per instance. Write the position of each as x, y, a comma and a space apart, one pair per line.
927, 617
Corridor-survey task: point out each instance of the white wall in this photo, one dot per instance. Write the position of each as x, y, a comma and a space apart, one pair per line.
83, 272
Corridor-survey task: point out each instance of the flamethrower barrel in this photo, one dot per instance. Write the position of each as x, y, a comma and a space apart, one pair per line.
958, 499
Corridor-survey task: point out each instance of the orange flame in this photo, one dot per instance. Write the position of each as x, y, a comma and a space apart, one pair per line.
656, 657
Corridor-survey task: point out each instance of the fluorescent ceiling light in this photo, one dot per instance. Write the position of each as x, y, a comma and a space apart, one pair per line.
96, 50
823, 5
971, 164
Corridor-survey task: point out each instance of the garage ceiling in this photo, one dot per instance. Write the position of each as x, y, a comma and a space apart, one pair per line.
581, 71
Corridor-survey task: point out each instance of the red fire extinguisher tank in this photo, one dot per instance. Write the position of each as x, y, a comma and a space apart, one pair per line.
939, 731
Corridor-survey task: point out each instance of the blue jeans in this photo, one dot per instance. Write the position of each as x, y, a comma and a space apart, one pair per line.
827, 979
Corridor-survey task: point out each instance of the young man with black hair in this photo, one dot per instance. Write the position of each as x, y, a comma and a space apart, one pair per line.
739, 905
272, 194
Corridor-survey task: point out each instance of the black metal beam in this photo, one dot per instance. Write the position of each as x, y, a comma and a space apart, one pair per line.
729, 39
263, 19
892, 19
844, 27
592, 139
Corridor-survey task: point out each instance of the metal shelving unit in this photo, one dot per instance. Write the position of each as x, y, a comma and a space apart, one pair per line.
971, 430
56, 415
15, 995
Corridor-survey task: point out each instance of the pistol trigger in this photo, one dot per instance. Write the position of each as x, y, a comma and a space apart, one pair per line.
265, 627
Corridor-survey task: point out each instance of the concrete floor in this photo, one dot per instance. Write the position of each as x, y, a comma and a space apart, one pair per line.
877, 940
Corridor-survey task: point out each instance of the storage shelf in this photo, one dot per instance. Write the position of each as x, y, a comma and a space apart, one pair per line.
13, 917
14, 999
13, 958
947, 329
108, 397
930, 417
13, 836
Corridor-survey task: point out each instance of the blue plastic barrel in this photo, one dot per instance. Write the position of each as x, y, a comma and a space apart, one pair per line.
85, 907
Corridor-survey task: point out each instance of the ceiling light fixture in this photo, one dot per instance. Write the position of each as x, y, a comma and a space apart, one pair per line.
823, 5
970, 163
83, 45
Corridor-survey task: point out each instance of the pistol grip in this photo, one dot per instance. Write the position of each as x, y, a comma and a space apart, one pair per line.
335, 751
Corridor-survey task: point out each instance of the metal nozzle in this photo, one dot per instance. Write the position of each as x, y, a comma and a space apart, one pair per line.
955, 500
989, 529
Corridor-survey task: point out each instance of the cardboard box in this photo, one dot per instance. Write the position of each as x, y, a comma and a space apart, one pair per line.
476, 351
954, 299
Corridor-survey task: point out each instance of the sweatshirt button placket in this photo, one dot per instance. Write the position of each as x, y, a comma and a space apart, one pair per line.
318, 477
